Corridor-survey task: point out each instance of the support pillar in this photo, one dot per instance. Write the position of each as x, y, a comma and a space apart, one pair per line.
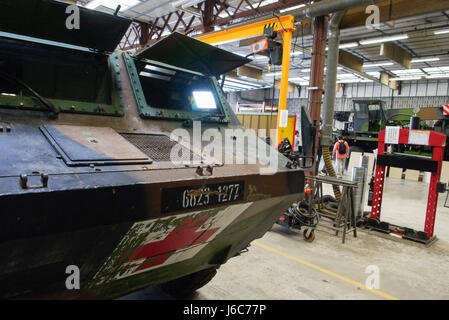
316, 84
208, 16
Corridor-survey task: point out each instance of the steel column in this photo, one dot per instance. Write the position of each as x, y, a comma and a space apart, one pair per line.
144, 33
331, 77
317, 73
208, 16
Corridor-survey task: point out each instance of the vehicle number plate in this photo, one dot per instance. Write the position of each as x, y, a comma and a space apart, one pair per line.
184, 198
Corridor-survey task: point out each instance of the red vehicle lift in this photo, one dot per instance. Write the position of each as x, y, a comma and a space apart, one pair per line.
435, 140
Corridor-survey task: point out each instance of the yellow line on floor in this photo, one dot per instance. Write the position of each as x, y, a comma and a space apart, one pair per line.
328, 272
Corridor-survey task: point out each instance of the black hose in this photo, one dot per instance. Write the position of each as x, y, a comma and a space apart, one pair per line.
302, 216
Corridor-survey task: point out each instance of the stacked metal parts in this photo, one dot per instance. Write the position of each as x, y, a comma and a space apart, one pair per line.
359, 175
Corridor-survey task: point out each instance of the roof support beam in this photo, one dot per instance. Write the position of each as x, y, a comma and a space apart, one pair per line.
396, 53
316, 84
208, 16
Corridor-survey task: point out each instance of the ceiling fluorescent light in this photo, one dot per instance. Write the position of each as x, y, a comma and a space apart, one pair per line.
416, 60
405, 79
237, 85
380, 64
272, 74
292, 8
437, 70
443, 31
348, 45
408, 72
247, 83
438, 76
348, 81
267, 2
383, 39
308, 69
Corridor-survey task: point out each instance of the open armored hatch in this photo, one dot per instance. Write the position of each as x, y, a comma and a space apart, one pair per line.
180, 69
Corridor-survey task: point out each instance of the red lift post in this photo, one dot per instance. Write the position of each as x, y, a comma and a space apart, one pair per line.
433, 139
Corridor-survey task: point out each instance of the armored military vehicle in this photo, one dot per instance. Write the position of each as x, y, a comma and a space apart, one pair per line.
92, 204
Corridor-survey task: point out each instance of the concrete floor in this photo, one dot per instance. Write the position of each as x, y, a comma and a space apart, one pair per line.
281, 265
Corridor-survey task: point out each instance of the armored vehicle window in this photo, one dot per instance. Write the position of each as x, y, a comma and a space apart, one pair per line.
73, 80
164, 91
59, 74
166, 88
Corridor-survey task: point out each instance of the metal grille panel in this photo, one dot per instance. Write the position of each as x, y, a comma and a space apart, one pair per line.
158, 147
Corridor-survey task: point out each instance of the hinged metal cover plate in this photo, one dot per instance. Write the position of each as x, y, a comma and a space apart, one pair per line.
83, 145
185, 52
46, 19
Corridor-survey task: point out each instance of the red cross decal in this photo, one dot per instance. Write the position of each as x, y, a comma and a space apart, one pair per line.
183, 236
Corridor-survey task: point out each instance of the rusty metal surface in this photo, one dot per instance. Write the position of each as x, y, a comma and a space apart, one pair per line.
317, 75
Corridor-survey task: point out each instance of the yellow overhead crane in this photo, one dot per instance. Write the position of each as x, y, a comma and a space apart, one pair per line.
284, 25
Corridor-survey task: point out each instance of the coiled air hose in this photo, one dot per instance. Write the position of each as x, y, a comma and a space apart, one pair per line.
330, 170
301, 214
